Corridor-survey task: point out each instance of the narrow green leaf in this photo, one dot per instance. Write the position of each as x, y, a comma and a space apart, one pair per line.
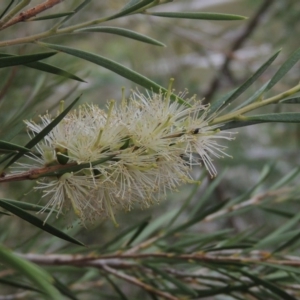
37, 275
122, 32
115, 67
288, 242
23, 59
48, 68
278, 212
294, 99
44, 132
64, 289
53, 16
123, 234
289, 63
116, 288
184, 289
18, 285
139, 230
198, 16
37, 222
6, 8
130, 3
130, 9
286, 179
254, 97
196, 219
76, 10
237, 92
277, 118
267, 118
27, 206
13, 147
270, 286
283, 228
201, 203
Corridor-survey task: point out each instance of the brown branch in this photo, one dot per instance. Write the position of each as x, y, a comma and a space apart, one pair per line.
122, 261
236, 44
31, 12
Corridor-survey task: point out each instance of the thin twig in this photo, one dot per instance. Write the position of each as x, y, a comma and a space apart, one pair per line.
236, 44
25, 15
252, 201
139, 283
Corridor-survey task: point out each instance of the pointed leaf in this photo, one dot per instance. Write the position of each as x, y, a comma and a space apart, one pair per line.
237, 92
267, 118
27, 206
64, 289
294, 99
44, 132
13, 147
123, 32
254, 97
6, 9
198, 16
53, 16
34, 273
18, 285
290, 62
115, 67
183, 288
270, 286
48, 68
130, 9
76, 10
37, 222
23, 59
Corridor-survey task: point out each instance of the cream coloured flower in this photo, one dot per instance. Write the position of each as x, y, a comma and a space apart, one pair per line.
147, 146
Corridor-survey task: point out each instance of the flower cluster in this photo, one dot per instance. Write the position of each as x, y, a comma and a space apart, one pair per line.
131, 153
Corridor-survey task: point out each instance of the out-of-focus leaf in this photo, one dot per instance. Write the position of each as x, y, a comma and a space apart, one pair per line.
286, 179
254, 97
115, 67
110, 245
37, 275
47, 68
270, 286
290, 62
198, 16
6, 9
18, 285
64, 289
44, 132
278, 117
267, 118
202, 201
279, 231
12, 147
76, 10
122, 32
131, 8
139, 230
183, 288
237, 92
37, 222
116, 288
27, 206
23, 59
53, 16
294, 99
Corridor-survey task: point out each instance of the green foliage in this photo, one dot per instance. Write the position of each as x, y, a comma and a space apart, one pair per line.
224, 238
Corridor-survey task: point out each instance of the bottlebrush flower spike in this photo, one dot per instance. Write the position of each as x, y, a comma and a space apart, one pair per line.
147, 146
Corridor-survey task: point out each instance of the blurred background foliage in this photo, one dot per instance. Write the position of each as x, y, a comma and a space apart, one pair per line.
194, 55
